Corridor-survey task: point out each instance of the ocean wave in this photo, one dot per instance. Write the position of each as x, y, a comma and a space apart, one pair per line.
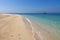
33, 31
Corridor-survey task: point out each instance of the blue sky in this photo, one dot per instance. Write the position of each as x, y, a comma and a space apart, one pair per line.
23, 6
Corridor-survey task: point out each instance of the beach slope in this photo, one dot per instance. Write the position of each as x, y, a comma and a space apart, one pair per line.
13, 27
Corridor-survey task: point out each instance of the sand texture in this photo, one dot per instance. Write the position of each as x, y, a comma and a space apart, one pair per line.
14, 27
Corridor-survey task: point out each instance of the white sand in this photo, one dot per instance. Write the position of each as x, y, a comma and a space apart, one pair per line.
13, 27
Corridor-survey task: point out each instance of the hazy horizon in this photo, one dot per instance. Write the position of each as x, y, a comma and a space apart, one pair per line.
29, 6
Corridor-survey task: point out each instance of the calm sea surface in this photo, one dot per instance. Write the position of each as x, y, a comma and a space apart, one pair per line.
47, 24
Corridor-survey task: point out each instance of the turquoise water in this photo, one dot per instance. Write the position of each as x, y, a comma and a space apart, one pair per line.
52, 20
47, 24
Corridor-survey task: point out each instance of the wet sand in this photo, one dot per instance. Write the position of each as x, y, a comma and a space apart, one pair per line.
14, 27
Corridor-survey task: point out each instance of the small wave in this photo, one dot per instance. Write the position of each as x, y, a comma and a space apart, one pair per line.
31, 27
28, 20
38, 33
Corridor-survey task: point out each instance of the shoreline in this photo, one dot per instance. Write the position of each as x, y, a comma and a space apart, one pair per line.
15, 25
35, 34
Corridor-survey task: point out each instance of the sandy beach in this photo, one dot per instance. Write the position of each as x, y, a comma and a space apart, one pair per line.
15, 27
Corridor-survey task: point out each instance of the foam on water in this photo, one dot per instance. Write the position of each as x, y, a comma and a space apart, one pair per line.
38, 33
50, 26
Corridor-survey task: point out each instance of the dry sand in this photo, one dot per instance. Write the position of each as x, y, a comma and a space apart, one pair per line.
14, 27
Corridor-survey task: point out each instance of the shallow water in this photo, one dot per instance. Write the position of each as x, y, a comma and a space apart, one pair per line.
47, 24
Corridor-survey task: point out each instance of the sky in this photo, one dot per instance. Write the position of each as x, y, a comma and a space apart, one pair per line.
30, 6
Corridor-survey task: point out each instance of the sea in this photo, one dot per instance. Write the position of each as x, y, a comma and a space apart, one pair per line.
47, 25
